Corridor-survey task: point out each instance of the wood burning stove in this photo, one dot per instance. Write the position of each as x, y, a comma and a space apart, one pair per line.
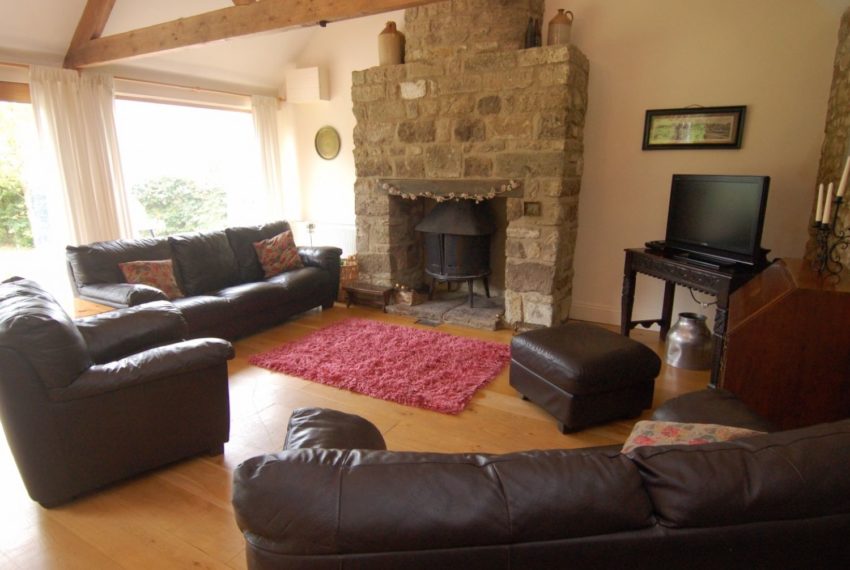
457, 243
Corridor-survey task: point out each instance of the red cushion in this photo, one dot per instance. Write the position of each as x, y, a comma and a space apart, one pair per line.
158, 273
278, 254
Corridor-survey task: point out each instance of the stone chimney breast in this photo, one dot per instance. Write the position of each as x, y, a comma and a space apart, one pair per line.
473, 113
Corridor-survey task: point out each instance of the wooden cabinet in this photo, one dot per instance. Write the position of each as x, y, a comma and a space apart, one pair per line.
787, 353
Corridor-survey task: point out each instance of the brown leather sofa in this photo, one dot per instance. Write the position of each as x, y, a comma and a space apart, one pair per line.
334, 498
226, 293
88, 402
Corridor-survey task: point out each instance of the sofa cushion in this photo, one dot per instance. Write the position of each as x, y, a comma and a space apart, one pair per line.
242, 241
204, 262
203, 312
249, 298
98, 262
785, 475
278, 254
33, 323
158, 273
331, 429
711, 406
653, 433
304, 283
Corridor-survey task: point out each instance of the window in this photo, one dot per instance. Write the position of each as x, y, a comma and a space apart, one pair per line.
188, 168
32, 235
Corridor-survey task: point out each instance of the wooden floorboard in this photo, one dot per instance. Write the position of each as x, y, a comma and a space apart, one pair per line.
180, 516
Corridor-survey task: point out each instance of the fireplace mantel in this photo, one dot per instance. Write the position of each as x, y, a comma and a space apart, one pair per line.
441, 189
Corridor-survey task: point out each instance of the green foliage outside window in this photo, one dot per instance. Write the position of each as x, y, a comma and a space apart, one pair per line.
15, 228
179, 205
14, 224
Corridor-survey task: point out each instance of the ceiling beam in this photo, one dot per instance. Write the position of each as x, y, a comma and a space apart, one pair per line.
92, 22
231, 22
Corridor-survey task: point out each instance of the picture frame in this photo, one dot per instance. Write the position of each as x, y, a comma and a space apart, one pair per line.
327, 143
694, 128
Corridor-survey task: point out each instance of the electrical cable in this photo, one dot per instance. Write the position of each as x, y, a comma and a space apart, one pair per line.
703, 304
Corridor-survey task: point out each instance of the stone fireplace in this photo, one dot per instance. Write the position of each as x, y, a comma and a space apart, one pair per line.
471, 114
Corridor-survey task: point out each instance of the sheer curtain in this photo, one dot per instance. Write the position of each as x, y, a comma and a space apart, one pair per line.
264, 111
74, 116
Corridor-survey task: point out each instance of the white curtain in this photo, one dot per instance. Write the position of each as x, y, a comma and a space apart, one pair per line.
264, 111
75, 121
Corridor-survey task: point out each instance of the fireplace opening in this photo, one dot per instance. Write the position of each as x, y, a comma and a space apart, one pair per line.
456, 237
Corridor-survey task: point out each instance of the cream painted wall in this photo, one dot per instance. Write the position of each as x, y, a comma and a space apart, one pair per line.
775, 56
327, 186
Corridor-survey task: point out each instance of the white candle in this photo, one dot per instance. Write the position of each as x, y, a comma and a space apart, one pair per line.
827, 208
842, 186
819, 209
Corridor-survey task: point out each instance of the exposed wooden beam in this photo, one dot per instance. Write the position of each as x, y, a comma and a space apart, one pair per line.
15, 92
226, 23
92, 22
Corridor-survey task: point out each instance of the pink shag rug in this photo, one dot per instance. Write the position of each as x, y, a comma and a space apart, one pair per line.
426, 369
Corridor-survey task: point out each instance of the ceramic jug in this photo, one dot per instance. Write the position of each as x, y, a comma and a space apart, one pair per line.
559, 27
689, 343
390, 45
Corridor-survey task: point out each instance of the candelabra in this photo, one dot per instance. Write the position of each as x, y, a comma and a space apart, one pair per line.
830, 242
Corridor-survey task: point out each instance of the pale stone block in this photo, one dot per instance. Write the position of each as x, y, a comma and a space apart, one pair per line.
517, 231
539, 314
413, 89
513, 307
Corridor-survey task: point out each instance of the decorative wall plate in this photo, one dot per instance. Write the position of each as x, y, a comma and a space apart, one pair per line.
327, 142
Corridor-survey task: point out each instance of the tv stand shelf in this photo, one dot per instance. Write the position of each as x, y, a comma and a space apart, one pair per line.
717, 281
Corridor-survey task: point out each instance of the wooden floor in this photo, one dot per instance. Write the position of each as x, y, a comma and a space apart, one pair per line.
181, 517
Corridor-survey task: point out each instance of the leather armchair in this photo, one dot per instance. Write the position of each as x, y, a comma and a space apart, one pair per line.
88, 402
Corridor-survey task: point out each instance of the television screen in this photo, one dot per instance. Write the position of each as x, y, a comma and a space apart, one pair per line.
718, 217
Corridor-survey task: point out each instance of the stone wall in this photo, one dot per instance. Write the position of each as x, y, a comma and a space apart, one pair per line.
476, 115
467, 26
836, 144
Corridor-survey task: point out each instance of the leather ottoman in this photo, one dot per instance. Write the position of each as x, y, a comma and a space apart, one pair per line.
583, 374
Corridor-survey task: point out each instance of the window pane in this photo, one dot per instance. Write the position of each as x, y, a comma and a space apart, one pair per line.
188, 168
32, 229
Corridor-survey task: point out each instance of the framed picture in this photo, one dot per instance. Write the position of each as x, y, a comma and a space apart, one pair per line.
700, 127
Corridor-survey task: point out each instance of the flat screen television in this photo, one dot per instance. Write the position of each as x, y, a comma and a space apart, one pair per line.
717, 218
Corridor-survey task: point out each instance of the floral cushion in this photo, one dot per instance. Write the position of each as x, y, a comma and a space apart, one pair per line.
158, 273
278, 254
651, 433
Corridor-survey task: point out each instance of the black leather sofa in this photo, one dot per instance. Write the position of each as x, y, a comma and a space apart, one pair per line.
226, 295
91, 401
335, 498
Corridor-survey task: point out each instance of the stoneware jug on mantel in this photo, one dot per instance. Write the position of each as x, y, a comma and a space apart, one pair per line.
390, 45
560, 27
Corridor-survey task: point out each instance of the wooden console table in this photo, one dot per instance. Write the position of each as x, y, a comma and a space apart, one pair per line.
718, 282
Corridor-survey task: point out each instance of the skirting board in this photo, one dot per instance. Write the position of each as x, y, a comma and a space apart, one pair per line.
608, 315
595, 313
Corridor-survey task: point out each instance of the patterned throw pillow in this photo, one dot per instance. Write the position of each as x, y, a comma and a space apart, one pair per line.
278, 254
158, 273
651, 433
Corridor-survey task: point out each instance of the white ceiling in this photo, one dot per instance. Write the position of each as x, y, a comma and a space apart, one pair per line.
39, 31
